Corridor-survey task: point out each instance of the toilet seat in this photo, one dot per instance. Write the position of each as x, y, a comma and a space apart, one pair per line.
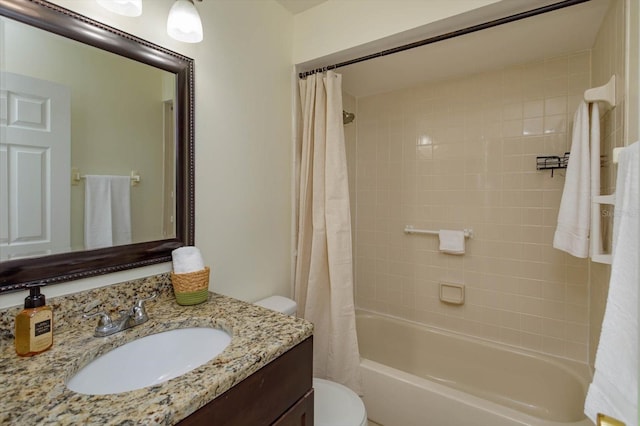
337, 405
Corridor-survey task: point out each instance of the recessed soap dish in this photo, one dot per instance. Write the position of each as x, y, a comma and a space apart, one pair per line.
452, 293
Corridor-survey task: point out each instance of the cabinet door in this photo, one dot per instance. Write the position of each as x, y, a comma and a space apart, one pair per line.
262, 398
300, 414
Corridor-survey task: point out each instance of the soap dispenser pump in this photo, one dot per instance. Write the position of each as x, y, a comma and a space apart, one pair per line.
34, 325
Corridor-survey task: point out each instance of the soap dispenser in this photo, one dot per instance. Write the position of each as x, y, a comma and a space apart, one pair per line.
34, 325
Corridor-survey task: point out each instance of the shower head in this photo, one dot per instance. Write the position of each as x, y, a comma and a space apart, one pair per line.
347, 117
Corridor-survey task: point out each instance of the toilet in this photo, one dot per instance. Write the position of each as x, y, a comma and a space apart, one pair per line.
334, 404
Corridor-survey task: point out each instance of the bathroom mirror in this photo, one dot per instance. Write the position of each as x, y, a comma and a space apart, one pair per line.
154, 143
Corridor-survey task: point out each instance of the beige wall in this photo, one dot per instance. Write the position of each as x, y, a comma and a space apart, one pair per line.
243, 126
349, 103
243, 140
461, 154
608, 58
566, 310
243, 134
336, 25
243, 149
633, 77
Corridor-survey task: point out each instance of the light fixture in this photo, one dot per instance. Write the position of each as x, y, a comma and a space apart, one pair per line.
123, 7
184, 22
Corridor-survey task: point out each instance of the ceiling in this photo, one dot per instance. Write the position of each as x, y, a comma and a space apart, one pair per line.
297, 6
563, 31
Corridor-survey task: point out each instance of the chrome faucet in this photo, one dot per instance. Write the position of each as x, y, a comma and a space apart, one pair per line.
127, 319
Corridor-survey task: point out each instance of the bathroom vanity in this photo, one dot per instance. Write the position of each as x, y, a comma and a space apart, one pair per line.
263, 377
278, 394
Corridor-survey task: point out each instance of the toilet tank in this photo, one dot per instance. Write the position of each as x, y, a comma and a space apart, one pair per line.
279, 304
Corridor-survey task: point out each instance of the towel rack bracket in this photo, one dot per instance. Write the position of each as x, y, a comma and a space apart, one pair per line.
605, 93
135, 178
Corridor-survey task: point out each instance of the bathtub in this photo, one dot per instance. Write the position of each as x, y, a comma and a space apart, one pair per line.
414, 375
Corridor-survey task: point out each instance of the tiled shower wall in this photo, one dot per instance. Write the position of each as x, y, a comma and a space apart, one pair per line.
462, 154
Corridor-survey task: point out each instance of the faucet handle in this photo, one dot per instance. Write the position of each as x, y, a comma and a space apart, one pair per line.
138, 312
105, 325
140, 303
105, 319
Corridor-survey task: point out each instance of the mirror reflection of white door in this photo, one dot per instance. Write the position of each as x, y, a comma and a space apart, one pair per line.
35, 157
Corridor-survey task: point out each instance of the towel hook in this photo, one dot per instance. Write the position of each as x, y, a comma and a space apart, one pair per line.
605, 93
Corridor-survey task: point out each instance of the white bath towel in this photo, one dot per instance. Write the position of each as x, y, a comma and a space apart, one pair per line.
572, 232
187, 259
107, 211
614, 390
121, 209
451, 242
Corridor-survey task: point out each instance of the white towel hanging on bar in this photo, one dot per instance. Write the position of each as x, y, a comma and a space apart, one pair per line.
107, 211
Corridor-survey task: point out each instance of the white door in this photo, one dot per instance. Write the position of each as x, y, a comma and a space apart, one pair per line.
35, 164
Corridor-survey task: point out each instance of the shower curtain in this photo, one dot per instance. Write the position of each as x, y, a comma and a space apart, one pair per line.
324, 265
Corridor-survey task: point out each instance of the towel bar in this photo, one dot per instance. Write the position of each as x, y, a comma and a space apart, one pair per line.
605, 93
409, 229
76, 177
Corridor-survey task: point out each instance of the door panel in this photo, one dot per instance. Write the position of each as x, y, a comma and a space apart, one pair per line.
35, 163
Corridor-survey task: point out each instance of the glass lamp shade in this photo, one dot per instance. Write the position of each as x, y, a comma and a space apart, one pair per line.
123, 7
184, 22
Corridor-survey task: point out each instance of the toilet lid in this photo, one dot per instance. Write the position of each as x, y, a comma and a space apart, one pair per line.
337, 405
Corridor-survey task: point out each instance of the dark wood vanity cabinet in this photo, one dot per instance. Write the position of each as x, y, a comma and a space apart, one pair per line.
301, 414
280, 393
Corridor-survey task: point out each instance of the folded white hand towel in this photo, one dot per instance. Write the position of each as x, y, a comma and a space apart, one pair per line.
451, 242
614, 390
187, 259
572, 232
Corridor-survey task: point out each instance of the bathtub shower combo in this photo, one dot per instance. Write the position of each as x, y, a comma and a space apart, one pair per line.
455, 151
414, 375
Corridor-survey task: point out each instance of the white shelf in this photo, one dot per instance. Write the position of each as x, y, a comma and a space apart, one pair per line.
605, 199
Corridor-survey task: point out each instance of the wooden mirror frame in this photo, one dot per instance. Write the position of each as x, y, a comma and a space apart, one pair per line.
58, 268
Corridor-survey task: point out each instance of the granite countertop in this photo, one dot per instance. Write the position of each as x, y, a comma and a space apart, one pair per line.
34, 391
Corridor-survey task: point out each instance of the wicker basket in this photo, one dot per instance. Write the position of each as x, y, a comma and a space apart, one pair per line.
191, 288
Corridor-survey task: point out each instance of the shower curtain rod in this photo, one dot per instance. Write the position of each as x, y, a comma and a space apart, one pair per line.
463, 31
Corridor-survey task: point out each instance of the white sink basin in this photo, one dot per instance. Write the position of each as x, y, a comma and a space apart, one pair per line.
149, 361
